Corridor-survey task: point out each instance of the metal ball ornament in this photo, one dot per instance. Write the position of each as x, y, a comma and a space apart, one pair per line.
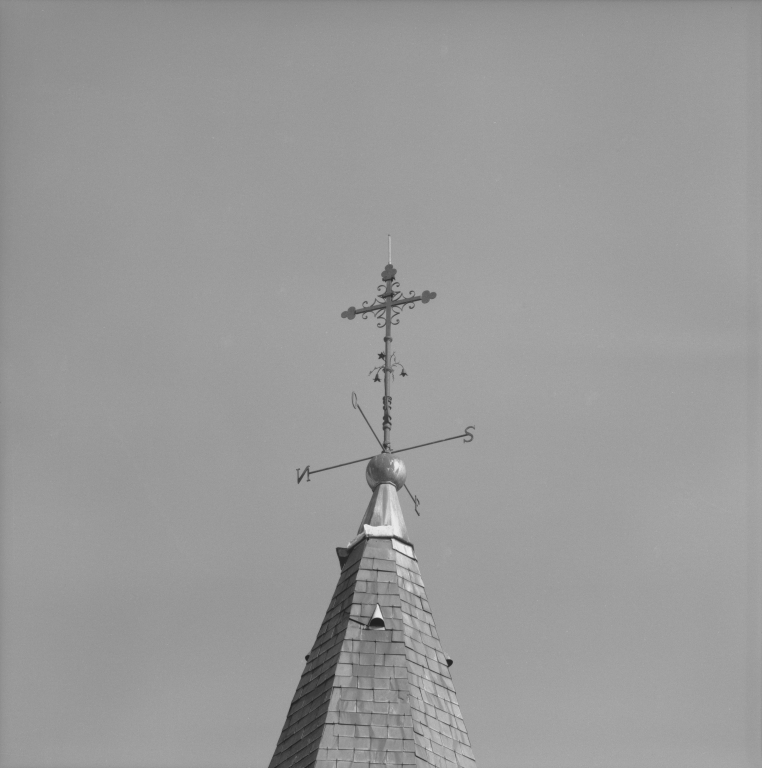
385, 468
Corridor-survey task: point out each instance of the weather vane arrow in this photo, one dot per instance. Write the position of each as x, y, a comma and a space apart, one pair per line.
385, 308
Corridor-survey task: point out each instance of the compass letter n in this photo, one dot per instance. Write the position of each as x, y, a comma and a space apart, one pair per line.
306, 472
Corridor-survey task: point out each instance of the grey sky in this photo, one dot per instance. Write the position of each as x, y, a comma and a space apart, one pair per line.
191, 195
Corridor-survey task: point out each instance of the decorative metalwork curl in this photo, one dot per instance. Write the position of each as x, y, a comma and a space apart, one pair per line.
383, 291
393, 364
398, 310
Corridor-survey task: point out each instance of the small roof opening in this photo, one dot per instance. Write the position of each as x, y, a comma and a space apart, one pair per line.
377, 620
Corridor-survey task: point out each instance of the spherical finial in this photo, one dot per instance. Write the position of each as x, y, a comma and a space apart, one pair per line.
385, 468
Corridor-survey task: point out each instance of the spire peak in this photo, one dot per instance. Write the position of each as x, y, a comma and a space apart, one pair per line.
377, 689
383, 516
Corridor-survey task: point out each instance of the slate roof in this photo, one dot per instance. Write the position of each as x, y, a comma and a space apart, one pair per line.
376, 697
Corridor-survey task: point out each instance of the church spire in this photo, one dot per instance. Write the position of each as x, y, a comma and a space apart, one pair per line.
376, 689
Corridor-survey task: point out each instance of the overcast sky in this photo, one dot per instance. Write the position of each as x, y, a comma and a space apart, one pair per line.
191, 194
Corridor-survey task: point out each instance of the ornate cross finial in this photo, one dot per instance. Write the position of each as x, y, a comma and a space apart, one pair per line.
385, 307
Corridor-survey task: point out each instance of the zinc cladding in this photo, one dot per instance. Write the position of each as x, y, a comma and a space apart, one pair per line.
373, 697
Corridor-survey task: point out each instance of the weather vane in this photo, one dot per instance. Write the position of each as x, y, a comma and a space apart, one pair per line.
385, 308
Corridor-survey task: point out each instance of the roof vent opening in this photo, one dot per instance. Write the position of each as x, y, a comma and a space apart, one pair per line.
377, 620
449, 661
343, 555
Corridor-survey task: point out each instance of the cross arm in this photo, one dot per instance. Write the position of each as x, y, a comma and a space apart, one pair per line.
352, 311
424, 298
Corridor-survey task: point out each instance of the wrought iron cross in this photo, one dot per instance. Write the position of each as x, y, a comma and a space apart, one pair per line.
385, 307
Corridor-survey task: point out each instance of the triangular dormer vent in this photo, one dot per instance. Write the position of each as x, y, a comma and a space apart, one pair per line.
377, 620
